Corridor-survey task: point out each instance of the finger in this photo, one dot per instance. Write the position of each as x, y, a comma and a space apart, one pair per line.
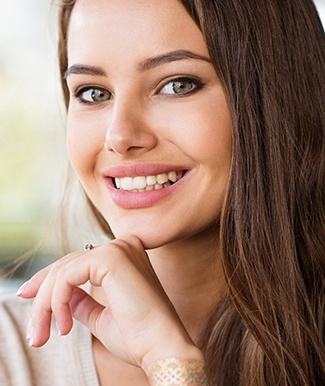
58, 287
30, 288
42, 309
73, 274
55, 294
39, 329
87, 310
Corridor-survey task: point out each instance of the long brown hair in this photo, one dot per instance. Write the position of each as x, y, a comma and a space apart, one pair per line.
270, 58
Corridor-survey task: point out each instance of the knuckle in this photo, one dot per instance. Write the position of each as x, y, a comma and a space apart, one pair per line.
116, 250
119, 245
59, 267
56, 269
104, 269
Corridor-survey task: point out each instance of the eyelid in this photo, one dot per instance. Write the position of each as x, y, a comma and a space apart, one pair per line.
81, 89
199, 84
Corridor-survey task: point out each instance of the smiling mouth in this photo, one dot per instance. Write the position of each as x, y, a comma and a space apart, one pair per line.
148, 183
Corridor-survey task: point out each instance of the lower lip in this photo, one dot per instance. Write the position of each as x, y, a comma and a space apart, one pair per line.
136, 200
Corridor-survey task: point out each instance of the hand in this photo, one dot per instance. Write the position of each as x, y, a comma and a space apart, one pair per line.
138, 324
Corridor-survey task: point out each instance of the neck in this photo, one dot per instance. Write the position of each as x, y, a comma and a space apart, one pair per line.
191, 274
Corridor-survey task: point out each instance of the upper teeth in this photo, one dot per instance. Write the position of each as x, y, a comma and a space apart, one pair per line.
142, 183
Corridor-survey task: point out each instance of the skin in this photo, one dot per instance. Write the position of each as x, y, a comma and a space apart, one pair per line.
139, 125
156, 283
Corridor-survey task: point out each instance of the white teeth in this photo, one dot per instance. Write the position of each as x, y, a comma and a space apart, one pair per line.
118, 183
150, 187
127, 183
148, 183
172, 176
151, 180
139, 182
162, 178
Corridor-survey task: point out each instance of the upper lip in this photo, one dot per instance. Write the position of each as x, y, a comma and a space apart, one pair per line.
141, 169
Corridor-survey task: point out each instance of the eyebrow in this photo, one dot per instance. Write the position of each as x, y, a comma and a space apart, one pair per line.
169, 57
80, 69
144, 65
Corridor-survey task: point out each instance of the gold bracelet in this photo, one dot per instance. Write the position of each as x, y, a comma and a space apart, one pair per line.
175, 372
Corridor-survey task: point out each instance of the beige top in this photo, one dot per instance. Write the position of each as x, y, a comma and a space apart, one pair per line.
63, 361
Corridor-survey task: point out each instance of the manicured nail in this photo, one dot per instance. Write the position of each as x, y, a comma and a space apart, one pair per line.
29, 330
22, 288
30, 334
31, 342
58, 328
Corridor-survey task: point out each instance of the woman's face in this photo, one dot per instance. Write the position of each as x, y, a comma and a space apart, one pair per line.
149, 129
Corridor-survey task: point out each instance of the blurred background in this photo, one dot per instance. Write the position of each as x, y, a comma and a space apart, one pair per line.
32, 147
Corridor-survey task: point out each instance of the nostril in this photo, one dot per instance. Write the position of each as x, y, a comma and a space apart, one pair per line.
125, 138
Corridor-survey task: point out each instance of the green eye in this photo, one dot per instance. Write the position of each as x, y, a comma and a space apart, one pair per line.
93, 95
179, 87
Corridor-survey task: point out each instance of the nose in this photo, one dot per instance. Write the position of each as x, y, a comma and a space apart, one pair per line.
128, 129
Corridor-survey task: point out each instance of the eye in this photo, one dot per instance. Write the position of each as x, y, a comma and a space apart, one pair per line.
180, 86
93, 95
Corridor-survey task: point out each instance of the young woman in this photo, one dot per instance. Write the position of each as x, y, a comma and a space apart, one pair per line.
196, 129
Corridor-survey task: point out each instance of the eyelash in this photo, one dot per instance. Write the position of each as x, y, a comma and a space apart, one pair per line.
82, 90
196, 83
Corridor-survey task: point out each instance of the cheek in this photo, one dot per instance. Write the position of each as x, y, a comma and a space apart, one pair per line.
216, 142
214, 137
205, 134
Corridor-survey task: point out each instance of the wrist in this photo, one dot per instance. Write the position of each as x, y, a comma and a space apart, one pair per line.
178, 372
173, 348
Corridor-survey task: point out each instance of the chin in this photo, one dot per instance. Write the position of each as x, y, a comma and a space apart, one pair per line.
148, 241
148, 238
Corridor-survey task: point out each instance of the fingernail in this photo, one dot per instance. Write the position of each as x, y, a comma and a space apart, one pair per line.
30, 335
29, 329
58, 328
22, 288
31, 342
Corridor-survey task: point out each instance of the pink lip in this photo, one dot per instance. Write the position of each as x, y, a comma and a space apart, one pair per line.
134, 170
136, 200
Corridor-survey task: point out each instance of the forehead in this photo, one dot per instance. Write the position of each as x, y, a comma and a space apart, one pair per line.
137, 27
